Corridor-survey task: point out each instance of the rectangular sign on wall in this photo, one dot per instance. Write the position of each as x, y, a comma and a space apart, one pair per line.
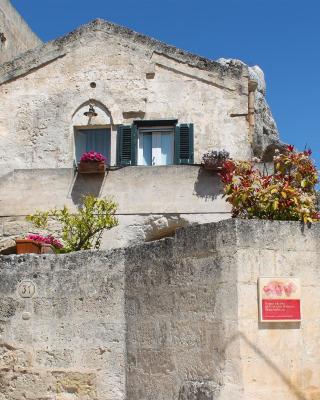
279, 299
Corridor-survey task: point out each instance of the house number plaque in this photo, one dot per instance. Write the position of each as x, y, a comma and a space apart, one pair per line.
26, 289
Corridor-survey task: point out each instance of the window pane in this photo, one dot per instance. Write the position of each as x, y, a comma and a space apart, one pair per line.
81, 144
147, 149
93, 140
156, 146
167, 147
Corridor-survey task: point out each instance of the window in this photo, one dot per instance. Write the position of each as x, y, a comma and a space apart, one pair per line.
161, 142
155, 146
92, 140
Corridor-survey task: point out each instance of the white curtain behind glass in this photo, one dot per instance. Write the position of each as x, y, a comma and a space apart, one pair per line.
156, 147
93, 139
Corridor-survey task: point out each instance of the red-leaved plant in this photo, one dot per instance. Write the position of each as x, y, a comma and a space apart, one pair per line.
92, 156
288, 194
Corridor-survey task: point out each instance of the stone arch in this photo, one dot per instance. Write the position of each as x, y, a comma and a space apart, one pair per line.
103, 118
109, 116
109, 107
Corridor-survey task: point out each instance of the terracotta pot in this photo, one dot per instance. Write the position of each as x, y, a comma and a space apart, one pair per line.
91, 167
27, 246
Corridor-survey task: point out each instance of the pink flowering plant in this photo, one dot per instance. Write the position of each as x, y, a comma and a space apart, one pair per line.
91, 156
288, 194
46, 240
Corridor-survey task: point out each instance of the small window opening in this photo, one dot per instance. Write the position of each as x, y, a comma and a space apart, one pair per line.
98, 140
156, 146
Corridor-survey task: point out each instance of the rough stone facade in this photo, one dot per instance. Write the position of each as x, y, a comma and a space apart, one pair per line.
135, 77
16, 37
46, 91
174, 319
265, 135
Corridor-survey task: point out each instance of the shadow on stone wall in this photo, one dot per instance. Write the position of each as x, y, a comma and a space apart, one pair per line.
272, 365
85, 184
208, 185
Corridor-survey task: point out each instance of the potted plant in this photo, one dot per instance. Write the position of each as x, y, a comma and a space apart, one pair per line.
81, 229
92, 162
214, 160
38, 244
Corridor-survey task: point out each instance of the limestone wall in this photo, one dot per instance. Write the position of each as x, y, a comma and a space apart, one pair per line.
18, 37
181, 308
136, 78
277, 359
175, 319
195, 317
152, 201
68, 341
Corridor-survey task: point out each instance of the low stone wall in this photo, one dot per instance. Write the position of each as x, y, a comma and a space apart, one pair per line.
68, 340
181, 307
152, 201
173, 319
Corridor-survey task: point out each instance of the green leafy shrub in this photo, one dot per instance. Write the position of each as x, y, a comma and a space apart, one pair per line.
288, 194
83, 229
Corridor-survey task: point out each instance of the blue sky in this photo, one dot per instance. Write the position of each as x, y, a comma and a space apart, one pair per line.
281, 36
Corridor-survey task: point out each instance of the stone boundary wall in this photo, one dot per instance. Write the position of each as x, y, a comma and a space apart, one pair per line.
68, 340
175, 319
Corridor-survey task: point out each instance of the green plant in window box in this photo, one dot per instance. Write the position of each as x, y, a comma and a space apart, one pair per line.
81, 230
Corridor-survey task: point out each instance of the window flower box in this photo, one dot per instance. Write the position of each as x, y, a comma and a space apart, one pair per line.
92, 163
213, 167
27, 246
214, 160
92, 167
38, 244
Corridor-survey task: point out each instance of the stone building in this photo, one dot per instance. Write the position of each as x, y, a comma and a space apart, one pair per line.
175, 319
158, 110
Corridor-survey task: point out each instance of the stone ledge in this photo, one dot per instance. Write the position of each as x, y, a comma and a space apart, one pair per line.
228, 234
57, 48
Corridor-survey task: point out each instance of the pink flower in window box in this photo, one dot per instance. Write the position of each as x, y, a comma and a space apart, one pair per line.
92, 162
38, 244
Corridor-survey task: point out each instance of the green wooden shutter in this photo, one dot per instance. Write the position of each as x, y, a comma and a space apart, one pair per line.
134, 144
184, 144
127, 145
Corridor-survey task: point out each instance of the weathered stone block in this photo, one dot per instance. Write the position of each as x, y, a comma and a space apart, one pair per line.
16, 228
8, 308
11, 358
155, 362
162, 320
199, 390
80, 385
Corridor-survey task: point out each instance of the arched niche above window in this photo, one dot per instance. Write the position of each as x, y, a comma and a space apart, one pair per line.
103, 115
